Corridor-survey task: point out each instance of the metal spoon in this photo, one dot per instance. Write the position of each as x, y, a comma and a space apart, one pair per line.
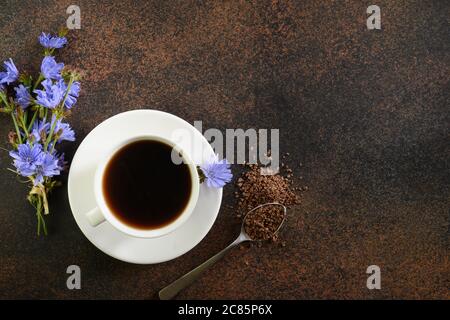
175, 287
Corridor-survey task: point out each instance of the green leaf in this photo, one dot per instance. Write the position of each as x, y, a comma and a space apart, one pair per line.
63, 32
26, 79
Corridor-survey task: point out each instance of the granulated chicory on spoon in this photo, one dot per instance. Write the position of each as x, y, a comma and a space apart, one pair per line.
260, 224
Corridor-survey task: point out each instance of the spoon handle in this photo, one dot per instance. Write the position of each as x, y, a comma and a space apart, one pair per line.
175, 287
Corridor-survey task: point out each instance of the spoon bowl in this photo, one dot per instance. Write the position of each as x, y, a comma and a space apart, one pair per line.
257, 208
175, 287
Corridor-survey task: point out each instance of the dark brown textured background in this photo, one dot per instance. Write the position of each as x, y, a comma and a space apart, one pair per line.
365, 112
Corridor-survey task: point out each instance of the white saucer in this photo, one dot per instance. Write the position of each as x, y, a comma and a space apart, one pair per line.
81, 189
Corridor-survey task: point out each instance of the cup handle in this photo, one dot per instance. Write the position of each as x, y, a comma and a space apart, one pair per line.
95, 217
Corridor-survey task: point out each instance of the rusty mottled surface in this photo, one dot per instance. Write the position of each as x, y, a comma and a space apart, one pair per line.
365, 112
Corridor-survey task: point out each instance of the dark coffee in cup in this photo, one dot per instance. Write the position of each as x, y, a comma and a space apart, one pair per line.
143, 187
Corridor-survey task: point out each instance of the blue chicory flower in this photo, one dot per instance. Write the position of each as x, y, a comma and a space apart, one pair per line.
73, 94
11, 74
23, 96
217, 172
52, 94
63, 130
25, 158
47, 165
33, 161
51, 42
62, 163
40, 129
50, 69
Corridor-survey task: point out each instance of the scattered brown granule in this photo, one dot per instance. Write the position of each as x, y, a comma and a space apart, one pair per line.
255, 189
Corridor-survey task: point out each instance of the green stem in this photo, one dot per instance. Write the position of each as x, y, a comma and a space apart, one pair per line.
39, 79
38, 214
68, 90
52, 129
40, 217
32, 119
13, 118
53, 145
17, 127
4, 100
24, 126
44, 226
49, 138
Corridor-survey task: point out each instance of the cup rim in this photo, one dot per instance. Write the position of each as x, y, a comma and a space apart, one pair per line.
142, 233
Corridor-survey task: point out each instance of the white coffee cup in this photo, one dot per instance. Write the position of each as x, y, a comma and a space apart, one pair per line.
102, 212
